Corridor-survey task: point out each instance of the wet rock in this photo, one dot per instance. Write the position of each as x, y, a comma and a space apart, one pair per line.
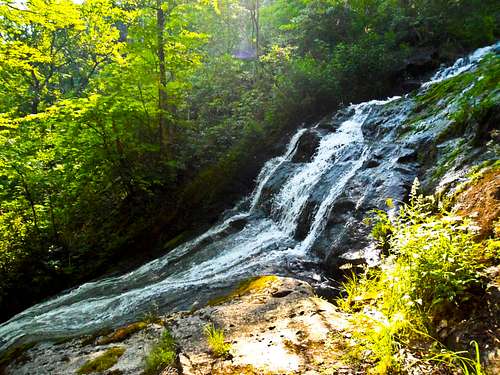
372, 163
332, 123
274, 185
306, 147
305, 219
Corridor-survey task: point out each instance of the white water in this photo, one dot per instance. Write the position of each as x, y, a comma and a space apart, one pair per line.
462, 65
272, 166
246, 244
290, 201
217, 257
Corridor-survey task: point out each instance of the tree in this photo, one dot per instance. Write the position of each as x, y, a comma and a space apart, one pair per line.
52, 49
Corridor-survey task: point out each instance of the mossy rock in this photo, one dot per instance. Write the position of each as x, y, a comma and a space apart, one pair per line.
14, 354
253, 284
122, 333
103, 362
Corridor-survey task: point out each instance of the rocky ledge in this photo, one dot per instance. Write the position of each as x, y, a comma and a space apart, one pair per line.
271, 325
274, 326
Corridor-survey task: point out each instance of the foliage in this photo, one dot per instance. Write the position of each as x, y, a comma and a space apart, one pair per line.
162, 355
216, 341
433, 264
103, 362
458, 361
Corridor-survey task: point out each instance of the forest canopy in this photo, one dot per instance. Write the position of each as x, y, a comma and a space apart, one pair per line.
124, 124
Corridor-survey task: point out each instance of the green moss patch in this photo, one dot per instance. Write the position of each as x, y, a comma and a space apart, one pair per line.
122, 333
14, 354
103, 362
474, 94
253, 284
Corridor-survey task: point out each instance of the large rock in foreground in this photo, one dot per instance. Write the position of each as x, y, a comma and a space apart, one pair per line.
274, 325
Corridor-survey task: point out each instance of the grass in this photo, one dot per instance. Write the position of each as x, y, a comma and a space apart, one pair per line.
433, 263
216, 341
460, 362
102, 362
162, 355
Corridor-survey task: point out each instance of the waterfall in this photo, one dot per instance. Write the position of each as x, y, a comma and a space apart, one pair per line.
248, 243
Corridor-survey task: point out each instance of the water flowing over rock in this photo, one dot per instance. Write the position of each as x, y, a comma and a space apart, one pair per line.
307, 209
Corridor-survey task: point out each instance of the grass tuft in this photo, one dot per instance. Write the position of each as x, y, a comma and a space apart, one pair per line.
216, 341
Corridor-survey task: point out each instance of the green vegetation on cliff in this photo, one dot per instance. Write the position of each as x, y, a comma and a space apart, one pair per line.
124, 124
433, 273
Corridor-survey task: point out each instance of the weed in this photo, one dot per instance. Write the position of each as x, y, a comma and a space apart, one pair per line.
459, 361
162, 355
216, 341
152, 316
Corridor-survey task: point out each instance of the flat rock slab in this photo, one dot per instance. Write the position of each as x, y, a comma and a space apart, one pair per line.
280, 328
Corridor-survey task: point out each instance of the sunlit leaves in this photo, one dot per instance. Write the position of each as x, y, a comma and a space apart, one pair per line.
52, 49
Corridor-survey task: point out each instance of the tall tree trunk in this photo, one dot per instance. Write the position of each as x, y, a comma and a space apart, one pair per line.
36, 93
257, 29
162, 82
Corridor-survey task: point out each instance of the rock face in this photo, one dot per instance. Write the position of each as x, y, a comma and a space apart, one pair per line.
68, 357
274, 325
279, 328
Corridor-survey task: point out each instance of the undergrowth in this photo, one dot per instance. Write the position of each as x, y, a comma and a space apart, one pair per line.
432, 262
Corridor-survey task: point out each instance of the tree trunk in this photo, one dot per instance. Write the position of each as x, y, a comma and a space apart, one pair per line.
257, 29
162, 82
36, 93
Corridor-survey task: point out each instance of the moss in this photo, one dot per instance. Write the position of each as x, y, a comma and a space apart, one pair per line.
122, 333
103, 362
90, 339
250, 285
473, 93
14, 354
446, 162
240, 370
477, 172
443, 90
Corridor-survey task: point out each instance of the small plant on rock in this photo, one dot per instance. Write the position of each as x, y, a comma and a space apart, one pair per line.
216, 341
162, 356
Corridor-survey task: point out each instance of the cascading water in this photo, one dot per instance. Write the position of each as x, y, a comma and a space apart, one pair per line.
257, 241
228, 252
